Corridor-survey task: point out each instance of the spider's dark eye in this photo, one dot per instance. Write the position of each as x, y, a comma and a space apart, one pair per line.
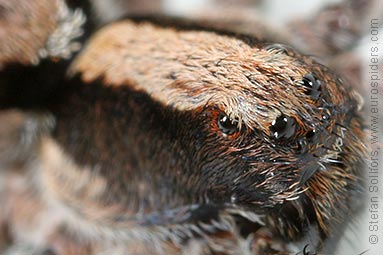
311, 134
312, 85
227, 125
283, 127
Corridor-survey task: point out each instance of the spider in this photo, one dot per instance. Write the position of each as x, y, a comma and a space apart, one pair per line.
163, 135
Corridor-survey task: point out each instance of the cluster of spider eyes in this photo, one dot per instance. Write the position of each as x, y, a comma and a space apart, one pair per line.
283, 127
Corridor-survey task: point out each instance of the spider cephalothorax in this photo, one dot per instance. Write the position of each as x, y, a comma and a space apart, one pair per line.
185, 120
163, 138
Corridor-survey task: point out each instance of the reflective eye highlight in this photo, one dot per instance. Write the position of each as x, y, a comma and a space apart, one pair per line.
227, 125
283, 127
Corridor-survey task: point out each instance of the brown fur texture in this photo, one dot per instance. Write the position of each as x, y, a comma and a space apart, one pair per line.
182, 140
34, 29
173, 63
21, 33
191, 77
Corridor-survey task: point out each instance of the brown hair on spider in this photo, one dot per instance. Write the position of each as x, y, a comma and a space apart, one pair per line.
175, 132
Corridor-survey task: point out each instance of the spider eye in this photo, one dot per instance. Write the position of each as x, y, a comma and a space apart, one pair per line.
227, 125
283, 127
312, 85
311, 134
